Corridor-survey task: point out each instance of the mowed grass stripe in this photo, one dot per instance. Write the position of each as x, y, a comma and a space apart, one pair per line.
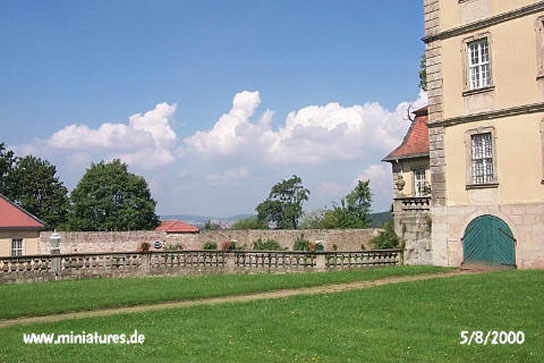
82, 295
417, 321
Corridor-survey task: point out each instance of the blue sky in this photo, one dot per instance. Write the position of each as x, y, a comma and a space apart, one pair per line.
213, 101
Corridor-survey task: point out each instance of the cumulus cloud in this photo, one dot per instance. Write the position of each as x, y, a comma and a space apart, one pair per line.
229, 177
147, 139
331, 190
311, 135
233, 132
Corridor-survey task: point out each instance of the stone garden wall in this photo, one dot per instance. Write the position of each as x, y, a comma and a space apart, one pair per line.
97, 242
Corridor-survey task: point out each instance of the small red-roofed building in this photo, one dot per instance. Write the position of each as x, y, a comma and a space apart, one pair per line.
176, 226
412, 190
19, 230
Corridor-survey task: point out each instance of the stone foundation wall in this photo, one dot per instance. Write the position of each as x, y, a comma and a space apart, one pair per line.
95, 242
413, 225
525, 220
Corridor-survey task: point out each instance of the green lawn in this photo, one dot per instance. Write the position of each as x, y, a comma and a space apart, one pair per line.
76, 295
416, 321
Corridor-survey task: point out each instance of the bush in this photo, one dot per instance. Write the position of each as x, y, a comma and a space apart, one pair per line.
228, 246
209, 246
249, 223
387, 238
302, 244
173, 247
268, 245
144, 247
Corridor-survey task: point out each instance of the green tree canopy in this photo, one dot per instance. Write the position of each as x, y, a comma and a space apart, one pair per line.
423, 73
387, 239
33, 184
37, 188
352, 211
211, 226
283, 207
249, 223
109, 198
7, 162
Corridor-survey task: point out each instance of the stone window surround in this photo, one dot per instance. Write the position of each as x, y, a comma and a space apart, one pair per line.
22, 245
467, 91
539, 28
468, 152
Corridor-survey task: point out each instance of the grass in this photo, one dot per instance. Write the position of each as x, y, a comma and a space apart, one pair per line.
417, 322
78, 295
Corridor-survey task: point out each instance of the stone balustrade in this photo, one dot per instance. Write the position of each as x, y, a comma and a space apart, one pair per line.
133, 264
415, 203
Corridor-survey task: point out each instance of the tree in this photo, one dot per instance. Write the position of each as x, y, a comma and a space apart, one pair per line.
248, 223
386, 239
109, 198
7, 161
352, 211
283, 207
359, 201
423, 73
211, 226
37, 188
33, 184
313, 219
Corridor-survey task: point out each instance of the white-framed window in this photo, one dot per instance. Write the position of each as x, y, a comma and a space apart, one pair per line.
16, 246
419, 182
483, 171
479, 70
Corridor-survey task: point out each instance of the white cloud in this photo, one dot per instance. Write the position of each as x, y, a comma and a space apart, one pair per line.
331, 190
311, 135
233, 132
147, 140
229, 177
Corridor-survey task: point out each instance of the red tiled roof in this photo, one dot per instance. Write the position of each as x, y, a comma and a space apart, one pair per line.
176, 227
416, 141
12, 216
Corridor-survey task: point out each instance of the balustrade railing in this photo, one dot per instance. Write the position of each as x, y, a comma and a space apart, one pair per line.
124, 264
415, 203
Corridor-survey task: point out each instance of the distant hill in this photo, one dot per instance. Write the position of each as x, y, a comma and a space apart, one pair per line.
199, 221
377, 220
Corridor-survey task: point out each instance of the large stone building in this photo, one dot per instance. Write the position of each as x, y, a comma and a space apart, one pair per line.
485, 74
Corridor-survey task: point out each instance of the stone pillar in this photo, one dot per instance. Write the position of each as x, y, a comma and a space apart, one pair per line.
230, 262
320, 262
145, 267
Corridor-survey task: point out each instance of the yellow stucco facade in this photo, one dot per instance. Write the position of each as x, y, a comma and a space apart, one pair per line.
485, 69
519, 162
30, 241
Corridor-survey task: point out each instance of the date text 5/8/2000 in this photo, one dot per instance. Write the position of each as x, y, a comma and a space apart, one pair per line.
492, 337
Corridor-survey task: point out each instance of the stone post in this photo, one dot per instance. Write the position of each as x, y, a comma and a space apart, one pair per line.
230, 262
145, 266
55, 264
320, 262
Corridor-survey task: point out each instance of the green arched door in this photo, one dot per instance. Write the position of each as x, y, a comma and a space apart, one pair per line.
490, 241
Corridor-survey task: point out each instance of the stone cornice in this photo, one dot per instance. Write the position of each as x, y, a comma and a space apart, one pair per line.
507, 112
477, 25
